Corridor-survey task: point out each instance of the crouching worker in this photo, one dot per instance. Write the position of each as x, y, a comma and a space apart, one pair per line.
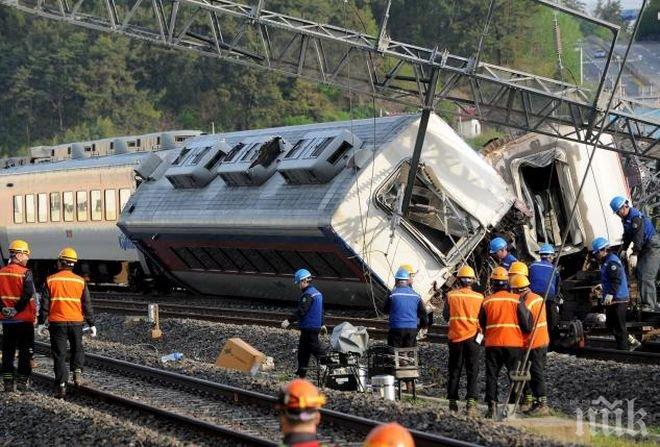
65, 304
298, 406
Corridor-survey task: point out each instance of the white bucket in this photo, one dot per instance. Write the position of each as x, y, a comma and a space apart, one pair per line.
383, 386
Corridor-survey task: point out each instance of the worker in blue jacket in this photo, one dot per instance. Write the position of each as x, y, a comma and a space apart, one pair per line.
645, 258
406, 310
309, 315
615, 295
499, 249
544, 278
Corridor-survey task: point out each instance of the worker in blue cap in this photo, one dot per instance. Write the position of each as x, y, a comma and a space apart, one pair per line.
543, 277
644, 261
615, 294
499, 249
406, 310
309, 315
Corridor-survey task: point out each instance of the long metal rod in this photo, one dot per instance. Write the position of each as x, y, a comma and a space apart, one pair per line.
419, 142
575, 204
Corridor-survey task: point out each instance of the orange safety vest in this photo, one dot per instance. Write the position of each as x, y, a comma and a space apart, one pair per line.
65, 289
502, 328
12, 277
535, 302
464, 306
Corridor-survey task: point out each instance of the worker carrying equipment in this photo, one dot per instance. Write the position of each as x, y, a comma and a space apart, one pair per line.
461, 311
544, 278
615, 294
389, 435
500, 249
505, 319
18, 312
309, 314
638, 230
298, 405
535, 402
65, 305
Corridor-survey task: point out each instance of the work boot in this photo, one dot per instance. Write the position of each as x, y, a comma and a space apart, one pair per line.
22, 384
60, 391
453, 406
492, 410
633, 343
471, 408
9, 385
540, 408
77, 377
527, 403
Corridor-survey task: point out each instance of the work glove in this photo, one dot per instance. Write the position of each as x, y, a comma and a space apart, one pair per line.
41, 330
632, 262
92, 331
8, 312
608, 299
324, 330
285, 324
422, 333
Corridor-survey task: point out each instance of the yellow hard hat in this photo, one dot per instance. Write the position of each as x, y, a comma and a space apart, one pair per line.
499, 274
519, 282
518, 268
19, 246
466, 272
409, 268
68, 254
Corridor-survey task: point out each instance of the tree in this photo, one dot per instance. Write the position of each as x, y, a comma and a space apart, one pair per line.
649, 27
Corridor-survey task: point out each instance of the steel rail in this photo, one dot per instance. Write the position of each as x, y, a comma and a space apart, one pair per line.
189, 423
236, 394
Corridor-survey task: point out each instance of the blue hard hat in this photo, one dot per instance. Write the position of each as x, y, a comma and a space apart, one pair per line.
300, 275
547, 249
599, 243
497, 244
402, 273
616, 203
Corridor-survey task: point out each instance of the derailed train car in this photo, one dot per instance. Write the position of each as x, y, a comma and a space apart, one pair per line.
235, 214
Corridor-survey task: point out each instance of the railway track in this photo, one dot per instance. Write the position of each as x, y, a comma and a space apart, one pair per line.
337, 429
599, 348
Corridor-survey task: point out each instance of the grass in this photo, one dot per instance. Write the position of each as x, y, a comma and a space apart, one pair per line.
601, 440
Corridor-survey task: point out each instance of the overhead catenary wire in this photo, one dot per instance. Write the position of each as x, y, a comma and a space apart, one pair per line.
523, 365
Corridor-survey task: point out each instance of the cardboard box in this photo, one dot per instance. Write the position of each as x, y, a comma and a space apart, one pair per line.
240, 356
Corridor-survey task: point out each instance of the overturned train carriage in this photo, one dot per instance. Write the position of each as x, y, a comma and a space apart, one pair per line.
235, 214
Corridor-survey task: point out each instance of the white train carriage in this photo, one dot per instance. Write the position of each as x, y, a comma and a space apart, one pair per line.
77, 203
237, 213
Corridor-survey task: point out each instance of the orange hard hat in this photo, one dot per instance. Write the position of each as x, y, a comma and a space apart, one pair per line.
466, 272
300, 400
499, 274
389, 435
518, 268
519, 282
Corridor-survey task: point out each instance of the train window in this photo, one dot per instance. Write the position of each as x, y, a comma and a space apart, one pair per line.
199, 155
30, 214
18, 209
214, 161
69, 206
42, 207
233, 152
96, 205
183, 154
321, 146
124, 195
55, 206
81, 206
110, 204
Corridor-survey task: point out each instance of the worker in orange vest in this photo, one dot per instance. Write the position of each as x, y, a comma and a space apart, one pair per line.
461, 311
66, 304
536, 400
298, 406
389, 435
505, 319
19, 308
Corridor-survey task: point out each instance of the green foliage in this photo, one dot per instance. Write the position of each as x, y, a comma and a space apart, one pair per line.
649, 27
488, 134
